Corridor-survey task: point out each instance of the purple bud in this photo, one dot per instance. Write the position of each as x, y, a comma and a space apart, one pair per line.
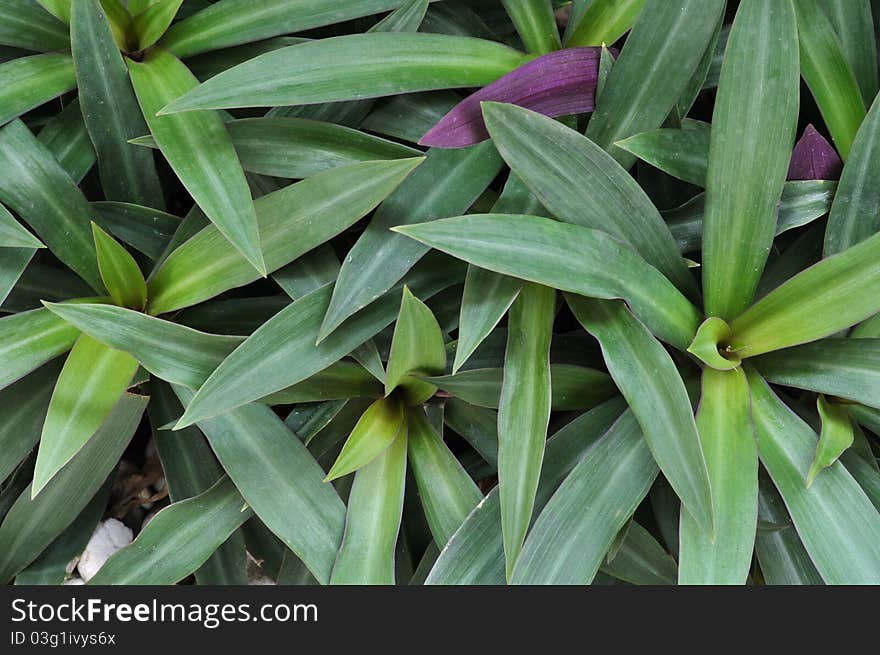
813, 158
556, 84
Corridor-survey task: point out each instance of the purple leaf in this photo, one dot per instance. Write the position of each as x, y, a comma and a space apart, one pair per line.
813, 158
556, 84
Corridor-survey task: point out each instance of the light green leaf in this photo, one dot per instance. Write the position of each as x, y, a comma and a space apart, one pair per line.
173, 352
646, 376
272, 359
566, 257
681, 152
149, 25
119, 271
143, 228
352, 67
661, 53
748, 160
42, 193
417, 350
826, 71
33, 523
536, 24
380, 425
524, 413
178, 540
446, 184
577, 526
280, 480
822, 300
372, 521
92, 381
839, 526
854, 214
13, 235
28, 82
199, 150
292, 221
708, 347
341, 380
836, 436
604, 21
30, 339
581, 184
446, 491
724, 556
110, 109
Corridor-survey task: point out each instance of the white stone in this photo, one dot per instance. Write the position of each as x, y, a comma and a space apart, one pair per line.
110, 535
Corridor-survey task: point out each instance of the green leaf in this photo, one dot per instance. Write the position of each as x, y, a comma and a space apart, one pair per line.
822, 300
149, 25
352, 67
45, 197
826, 71
173, 352
110, 109
566, 257
641, 560
119, 271
372, 521
748, 160
477, 426
836, 436
854, 214
13, 235
190, 468
524, 413
581, 184
801, 203
682, 152
475, 553
199, 150
839, 526
417, 350
178, 540
853, 23
577, 526
725, 424
300, 148
446, 184
292, 221
646, 376
92, 381
341, 380
447, 492
844, 368
61, 9
667, 39
30, 339
23, 408
280, 480
13, 263
66, 137
604, 21
231, 22
273, 358
380, 425
573, 387
32, 523
536, 24
143, 228
708, 347
28, 26
780, 552
28, 82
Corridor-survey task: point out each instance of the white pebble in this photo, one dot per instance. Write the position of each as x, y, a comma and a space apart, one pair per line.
110, 535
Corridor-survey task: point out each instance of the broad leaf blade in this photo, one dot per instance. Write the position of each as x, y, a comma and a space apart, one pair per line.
417, 349
30, 339
535, 22
382, 423
199, 150
119, 271
748, 160
28, 82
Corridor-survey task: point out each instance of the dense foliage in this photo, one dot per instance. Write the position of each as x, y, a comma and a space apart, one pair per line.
453, 292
